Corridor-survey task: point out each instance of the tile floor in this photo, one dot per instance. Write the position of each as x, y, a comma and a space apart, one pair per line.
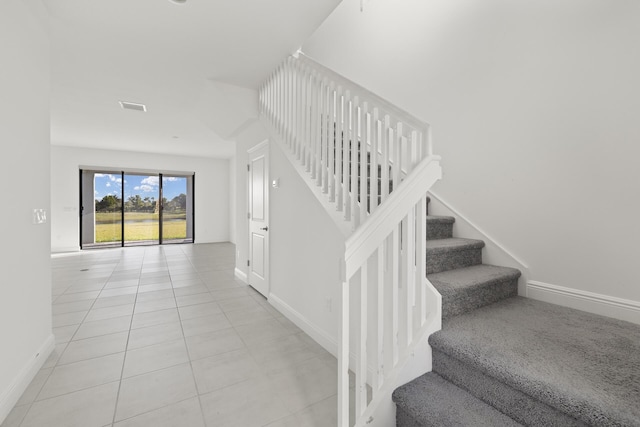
165, 336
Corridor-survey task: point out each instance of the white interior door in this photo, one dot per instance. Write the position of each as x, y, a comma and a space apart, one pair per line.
259, 218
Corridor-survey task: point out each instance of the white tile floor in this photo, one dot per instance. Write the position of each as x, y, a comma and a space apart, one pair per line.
165, 336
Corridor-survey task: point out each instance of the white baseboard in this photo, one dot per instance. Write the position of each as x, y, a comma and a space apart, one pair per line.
241, 275
604, 305
320, 336
12, 394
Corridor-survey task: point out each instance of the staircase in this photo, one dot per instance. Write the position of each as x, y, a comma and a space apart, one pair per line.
504, 360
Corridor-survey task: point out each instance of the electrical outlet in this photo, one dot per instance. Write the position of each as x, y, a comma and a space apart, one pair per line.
39, 216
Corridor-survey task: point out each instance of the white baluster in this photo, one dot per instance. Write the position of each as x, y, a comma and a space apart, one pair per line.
395, 255
339, 147
361, 366
384, 172
343, 357
380, 355
365, 141
333, 140
421, 273
356, 148
410, 274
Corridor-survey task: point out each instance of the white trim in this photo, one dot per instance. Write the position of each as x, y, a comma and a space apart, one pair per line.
241, 275
12, 394
319, 336
618, 308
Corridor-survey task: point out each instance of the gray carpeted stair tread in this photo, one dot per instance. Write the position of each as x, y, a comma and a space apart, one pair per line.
452, 244
440, 219
465, 289
454, 281
430, 400
582, 364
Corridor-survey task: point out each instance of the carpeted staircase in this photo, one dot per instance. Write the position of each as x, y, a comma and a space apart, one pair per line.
505, 360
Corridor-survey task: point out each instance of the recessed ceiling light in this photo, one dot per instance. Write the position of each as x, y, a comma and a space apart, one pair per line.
133, 106
178, 1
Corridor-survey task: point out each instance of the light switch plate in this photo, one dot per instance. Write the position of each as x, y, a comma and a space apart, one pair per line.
39, 216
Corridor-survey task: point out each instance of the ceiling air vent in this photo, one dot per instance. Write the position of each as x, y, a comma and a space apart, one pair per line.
133, 106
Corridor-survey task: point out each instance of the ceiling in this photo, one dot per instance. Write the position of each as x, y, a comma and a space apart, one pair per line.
184, 62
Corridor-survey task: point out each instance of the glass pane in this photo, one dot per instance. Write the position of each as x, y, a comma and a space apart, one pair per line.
141, 209
176, 209
101, 209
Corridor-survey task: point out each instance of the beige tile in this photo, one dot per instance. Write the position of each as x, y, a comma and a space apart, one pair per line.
144, 320
78, 296
186, 413
155, 305
125, 283
190, 290
87, 408
108, 293
70, 307
68, 319
204, 324
213, 343
82, 375
155, 357
63, 334
164, 288
248, 315
109, 312
94, 347
238, 303
322, 414
281, 353
113, 301
199, 310
35, 386
156, 334
186, 283
187, 300
155, 390
215, 372
250, 403
53, 358
102, 327
234, 292
304, 384
261, 331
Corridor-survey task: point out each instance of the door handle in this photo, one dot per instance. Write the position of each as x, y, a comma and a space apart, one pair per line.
265, 228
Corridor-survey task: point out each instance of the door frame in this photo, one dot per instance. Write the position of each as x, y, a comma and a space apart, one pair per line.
264, 144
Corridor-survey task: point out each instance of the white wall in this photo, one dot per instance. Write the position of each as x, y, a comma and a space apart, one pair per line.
25, 286
211, 189
305, 249
534, 107
305, 243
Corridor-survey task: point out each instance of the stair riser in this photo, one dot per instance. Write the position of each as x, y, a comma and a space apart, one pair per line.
508, 400
450, 260
478, 297
439, 230
404, 419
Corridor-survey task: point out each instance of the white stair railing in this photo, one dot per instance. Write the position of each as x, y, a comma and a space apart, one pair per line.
375, 164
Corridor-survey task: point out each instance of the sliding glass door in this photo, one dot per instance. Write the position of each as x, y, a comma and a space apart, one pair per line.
141, 209
177, 222
127, 209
